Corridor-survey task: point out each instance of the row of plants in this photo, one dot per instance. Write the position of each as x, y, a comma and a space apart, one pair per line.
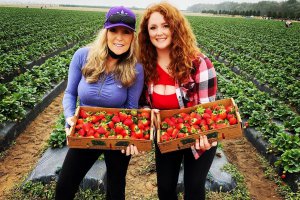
27, 89
260, 109
257, 48
36, 33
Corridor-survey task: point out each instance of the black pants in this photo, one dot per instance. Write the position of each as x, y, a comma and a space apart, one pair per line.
195, 172
78, 162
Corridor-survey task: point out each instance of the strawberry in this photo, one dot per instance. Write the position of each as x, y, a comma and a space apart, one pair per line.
208, 111
170, 130
145, 114
128, 122
111, 124
145, 122
101, 130
125, 132
206, 115
90, 133
87, 126
115, 119
118, 127
81, 132
122, 116
95, 118
164, 137
232, 121
181, 135
174, 133
204, 128
140, 125
230, 109
78, 126
80, 121
214, 116
139, 134
179, 120
222, 114
147, 136
83, 114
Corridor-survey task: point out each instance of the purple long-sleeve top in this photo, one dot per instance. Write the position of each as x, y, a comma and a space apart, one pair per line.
106, 92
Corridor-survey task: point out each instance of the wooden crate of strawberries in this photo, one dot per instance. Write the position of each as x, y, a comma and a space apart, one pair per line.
111, 128
178, 129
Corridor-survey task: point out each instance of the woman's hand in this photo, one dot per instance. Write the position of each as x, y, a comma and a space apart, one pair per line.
130, 150
203, 144
71, 122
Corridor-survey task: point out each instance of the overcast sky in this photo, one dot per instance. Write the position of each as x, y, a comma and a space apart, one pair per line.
181, 4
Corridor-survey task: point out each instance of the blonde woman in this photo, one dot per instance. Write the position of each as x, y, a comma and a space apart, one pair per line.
104, 74
177, 75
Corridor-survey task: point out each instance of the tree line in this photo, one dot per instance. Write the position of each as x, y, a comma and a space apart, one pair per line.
288, 9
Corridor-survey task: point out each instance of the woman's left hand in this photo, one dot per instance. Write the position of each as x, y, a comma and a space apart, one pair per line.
130, 150
203, 144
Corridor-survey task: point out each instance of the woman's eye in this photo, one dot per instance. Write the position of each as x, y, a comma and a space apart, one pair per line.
152, 28
166, 26
126, 32
112, 30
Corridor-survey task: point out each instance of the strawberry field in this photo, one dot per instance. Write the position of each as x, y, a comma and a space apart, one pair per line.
257, 63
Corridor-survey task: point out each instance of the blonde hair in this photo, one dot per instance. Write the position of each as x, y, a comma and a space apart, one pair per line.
183, 48
97, 61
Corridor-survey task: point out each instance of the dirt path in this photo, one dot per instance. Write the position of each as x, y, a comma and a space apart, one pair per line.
22, 157
243, 155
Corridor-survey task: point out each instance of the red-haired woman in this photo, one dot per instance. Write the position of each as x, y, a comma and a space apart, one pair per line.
177, 75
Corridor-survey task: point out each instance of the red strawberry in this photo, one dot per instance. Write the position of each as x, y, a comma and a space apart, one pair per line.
81, 132
232, 121
111, 124
181, 135
118, 127
101, 130
222, 114
80, 121
170, 130
208, 111
206, 115
147, 136
139, 134
122, 116
230, 109
145, 114
128, 122
115, 119
175, 133
83, 114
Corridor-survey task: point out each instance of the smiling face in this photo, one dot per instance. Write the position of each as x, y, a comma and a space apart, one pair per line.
159, 31
119, 39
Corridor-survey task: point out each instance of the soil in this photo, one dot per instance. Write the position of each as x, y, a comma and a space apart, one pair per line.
22, 156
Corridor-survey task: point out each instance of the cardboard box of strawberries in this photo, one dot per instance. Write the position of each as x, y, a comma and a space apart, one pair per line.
111, 128
178, 129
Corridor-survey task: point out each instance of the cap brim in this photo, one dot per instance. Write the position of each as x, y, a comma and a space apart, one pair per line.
119, 24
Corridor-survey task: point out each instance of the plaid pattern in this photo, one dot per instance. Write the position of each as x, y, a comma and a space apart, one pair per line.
202, 87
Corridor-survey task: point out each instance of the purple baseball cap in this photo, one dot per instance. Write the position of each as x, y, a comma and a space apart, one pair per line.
120, 16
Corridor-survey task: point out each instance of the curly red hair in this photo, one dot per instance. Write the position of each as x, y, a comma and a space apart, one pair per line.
183, 48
